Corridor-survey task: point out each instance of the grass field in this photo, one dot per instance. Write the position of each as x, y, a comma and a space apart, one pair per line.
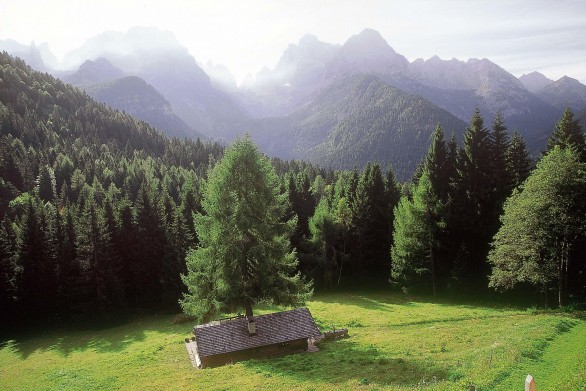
396, 342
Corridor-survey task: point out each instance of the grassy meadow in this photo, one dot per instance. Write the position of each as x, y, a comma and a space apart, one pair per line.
396, 342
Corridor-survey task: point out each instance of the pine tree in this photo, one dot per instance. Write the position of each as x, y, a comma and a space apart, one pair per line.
568, 132
474, 169
46, 185
68, 266
499, 146
472, 201
436, 164
190, 204
324, 233
151, 244
417, 225
370, 223
7, 272
244, 255
99, 262
180, 241
126, 244
392, 195
518, 161
37, 287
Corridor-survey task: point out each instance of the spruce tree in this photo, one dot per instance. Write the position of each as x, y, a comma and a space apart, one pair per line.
46, 186
370, 223
518, 161
436, 164
37, 280
151, 243
417, 225
472, 209
101, 284
392, 195
68, 265
568, 133
499, 146
7, 272
244, 256
323, 228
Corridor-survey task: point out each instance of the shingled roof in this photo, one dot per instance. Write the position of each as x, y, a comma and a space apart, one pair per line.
232, 335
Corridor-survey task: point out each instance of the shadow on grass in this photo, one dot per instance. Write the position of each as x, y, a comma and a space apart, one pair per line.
378, 301
345, 361
103, 338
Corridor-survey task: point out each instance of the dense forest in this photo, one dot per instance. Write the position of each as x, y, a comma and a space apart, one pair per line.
97, 209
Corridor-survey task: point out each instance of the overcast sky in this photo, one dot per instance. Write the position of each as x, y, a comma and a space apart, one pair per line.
246, 35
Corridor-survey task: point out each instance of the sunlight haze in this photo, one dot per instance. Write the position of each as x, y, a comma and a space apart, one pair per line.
520, 36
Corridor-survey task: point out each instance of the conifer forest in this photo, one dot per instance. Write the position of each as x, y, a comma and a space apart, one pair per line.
99, 210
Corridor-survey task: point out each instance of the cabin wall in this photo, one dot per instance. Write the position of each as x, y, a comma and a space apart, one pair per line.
275, 350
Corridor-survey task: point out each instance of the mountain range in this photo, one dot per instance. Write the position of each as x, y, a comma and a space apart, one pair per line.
336, 105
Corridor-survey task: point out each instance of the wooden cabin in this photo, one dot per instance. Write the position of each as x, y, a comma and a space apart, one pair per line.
222, 342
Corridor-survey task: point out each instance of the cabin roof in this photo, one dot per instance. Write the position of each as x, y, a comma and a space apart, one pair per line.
232, 335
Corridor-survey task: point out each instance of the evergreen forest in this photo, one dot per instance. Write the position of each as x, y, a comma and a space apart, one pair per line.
98, 211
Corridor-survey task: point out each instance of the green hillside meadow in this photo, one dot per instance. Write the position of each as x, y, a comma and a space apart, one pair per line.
396, 342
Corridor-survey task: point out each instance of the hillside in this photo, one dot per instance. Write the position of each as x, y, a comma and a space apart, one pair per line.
215, 107
71, 170
158, 58
396, 342
358, 119
139, 99
92, 73
563, 93
458, 87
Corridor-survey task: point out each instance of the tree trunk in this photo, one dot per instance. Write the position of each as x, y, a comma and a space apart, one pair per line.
343, 256
432, 269
249, 309
561, 278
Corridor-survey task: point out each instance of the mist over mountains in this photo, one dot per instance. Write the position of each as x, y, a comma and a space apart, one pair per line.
336, 105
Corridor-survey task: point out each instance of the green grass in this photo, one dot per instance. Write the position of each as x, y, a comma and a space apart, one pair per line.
396, 342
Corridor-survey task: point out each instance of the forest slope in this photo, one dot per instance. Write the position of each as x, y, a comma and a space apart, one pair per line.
358, 119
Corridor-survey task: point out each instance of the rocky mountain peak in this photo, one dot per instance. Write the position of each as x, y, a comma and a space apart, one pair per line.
534, 81
369, 52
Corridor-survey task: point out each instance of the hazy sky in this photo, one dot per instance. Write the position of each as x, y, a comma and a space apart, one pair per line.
245, 35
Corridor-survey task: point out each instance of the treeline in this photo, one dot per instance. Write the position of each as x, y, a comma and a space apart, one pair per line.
479, 212
96, 207
439, 225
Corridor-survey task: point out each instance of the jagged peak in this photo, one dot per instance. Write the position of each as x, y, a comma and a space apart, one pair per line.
534, 74
308, 39
370, 38
568, 80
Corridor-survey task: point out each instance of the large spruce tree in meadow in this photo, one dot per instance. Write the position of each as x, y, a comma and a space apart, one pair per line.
244, 256
540, 225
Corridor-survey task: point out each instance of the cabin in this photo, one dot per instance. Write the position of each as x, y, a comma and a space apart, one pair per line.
240, 338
